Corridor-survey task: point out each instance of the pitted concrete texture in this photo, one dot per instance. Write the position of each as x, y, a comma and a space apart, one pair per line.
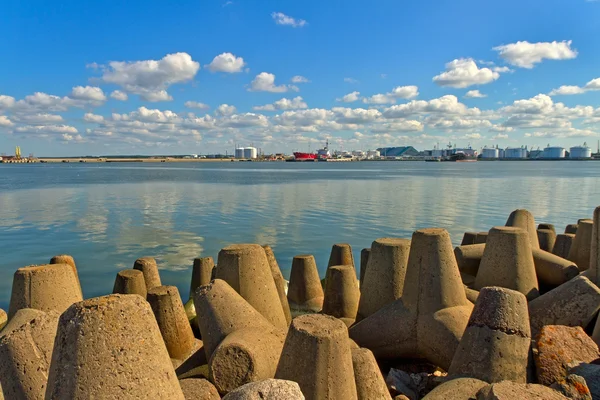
370, 384
269, 389
25, 354
574, 303
130, 281
279, 282
468, 258
201, 273
119, 352
429, 319
547, 239
317, 356
3, 319
581, 249
244, 356
21, 317
198, 389
341, 254
305, 291
172, 321
456, 389
511, 391
471, 294
563, 244
70, 261
342, 294
553, 270
595, 248
384, 280
547, 226
44, 287
508, 262
150, 270
221, 311
246, 269
495, 345
574, 387
524, 219
571, 228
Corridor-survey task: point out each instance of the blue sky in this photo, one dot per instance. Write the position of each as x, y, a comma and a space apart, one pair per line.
151, 77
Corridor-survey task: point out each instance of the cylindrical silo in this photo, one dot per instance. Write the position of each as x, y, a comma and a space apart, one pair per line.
580, 152
239, 152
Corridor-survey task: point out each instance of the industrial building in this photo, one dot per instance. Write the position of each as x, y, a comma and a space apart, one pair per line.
403, 151
554, 153
515, 152
490, 153
248, 153
580, 152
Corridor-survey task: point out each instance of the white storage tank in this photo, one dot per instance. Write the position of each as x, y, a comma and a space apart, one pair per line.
580, 152
239, 152
515, 152
490, 153
371, 154
554, 152
250, 152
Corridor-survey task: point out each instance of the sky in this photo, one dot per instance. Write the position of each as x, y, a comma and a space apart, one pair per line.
200, 77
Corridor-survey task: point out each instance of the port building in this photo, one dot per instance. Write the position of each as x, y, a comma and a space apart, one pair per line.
403, 151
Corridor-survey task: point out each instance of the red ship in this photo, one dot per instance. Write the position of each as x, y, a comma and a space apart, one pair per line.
299, 156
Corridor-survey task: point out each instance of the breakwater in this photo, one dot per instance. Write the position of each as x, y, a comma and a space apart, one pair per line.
510, 310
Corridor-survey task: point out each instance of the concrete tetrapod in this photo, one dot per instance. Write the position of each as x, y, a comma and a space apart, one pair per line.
364, 260
3, 319
317, 356
384, 280
244, 356
70, 261
130, 281
552, 270
581, 249
546, 226
456, 389
495, 345
508, 262
305, 292
370, 384
474, 238
44, 287
546, 239
221, 311
468, 258
429, 319
342, 294
574, 303
198, 389
524, 219
595, 248
246, 269
571, 228
117, 349
563, 244
279, 282
269, 389
341, 254
201, 273
150, 270
25, 354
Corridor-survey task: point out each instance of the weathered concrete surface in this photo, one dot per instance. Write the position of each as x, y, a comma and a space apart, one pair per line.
317, 356
563, 244
25, 354
474, 238
201, 273
3, 319
471, 294
269, 389
221, 311
591, 374
552, 270
70, 261
547, 226
44, 287
130, 281
508, 261
524, 219
198, 389
384, 280
119, 352
341, 254
546, 239
468, 258
149, 268
456, 389
305, 292
581, 249
279, 282
574, 387
595, 248
571, 228
556, 347
364, 260
370, 384
246, 269
244, 356
21, 317
341, 293
574, 303
429, 319
511, 391
495, 345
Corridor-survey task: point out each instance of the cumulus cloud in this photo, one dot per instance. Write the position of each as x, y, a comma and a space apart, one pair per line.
118, 95
226, 62
299, 79
474, 94
282, 19
594, 84
6, 101
195, 104
89, 93
225, 110
500, 136
349, 98
379, 98
89, 117
398, 126
526, 55
566, 90
4, 121
284, 104
345, 115
464, 72
399, 92
44, 130
38, 118
448, 104
265, 82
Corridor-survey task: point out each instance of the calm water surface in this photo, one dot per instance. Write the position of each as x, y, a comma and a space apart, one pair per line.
107, 215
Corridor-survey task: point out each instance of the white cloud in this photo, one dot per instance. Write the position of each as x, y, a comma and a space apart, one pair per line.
265, 82
72, 138
471, 136
282, 19
502, 69
225, 110
89, 93
38, 118
464, 72
594, 84
448, 104
299, 79
226, 62
350, 80
45, 129
349, 98
379, 98
244, 121
566, 90
405, 92
4, 121
398, 126
526, 55
474, 94
500, 136
345, 115
284, 104
195, 104
6, 101
89, 117
155, 96
118, 95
